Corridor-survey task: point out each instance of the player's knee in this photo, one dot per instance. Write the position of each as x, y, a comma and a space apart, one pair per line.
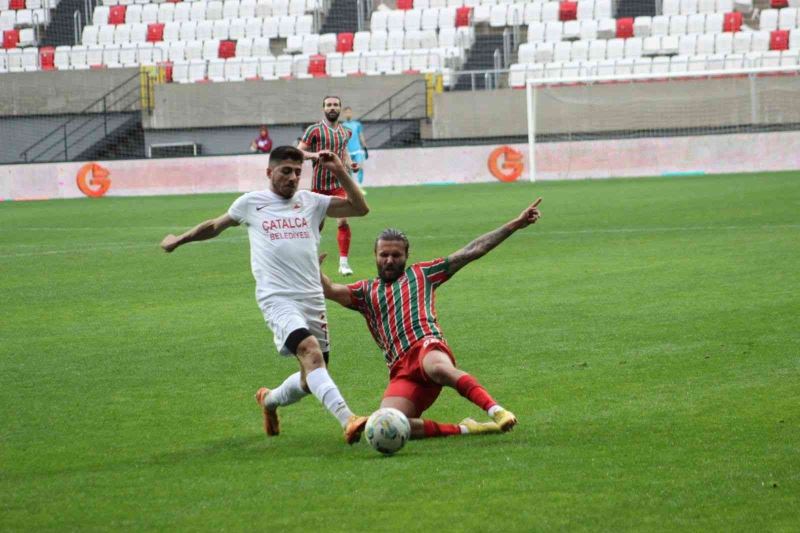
343, 223
310, 357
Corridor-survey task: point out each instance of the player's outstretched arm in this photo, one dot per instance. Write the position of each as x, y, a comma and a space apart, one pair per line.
334, 291
485, 243
355, 205
203, 231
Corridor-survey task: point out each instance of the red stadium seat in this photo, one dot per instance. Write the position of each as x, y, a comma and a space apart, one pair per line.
10, 38
226, 49
16, 4
116, 15
779, 40
778, 4
463, 16
47, 57
316, 66
567, 10
344, 42
155, 32
732, 22
624, 28
405, 4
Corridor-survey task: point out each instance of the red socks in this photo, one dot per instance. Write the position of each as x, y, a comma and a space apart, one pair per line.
435, 429
468, 387
343, 238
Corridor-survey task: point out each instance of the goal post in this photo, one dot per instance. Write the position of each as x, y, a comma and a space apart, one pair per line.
651, 125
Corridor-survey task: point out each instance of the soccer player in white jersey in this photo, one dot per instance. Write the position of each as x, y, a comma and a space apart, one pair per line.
283, 226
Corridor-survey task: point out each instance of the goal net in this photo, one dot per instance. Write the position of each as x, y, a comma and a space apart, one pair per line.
681, 123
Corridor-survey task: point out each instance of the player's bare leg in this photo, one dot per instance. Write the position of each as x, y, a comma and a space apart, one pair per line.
343, 239
440, 369
315, 378
272, 424
423, 429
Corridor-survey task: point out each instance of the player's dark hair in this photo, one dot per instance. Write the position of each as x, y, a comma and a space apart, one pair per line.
337, 97
391, 234
285, 153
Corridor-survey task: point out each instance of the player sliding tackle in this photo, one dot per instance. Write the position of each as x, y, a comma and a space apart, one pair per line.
399, 309
283, 227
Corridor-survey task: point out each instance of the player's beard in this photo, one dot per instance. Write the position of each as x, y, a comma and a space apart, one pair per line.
391, 273
332, 116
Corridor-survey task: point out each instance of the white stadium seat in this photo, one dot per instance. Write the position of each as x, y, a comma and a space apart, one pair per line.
327, 43
216, 70
642, 26
250, 68
412, 19
261, 47
89, 35
61, 58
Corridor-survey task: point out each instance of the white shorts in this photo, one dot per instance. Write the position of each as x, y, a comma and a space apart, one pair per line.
283, 316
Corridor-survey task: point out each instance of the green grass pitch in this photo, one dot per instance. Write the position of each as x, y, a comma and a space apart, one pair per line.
645, 332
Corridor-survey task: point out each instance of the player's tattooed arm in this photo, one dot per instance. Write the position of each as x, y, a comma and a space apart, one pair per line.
487, 242
203, 231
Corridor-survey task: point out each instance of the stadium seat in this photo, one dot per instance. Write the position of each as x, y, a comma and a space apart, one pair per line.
732, 22
535, 32
585, 10
46, 58
481, 13
197, 70
790, 58
761, 41
553, 31
670, 7
396, 38
588, 30
723, 44
405, 4
634, 47
16, 4
447, 18
215, 70
706, 6
283, 66
261, 47
237, 29
270, 27
642, 26
317, 66
133, 15
226, 49
248, 68
183, 12
155, 32
677, 24
778, 4
562, 51
122, 33
567, 10
149, 14
166, 12
779, 40
294, 44
659, 25
688, 7
544, 52
734, 61
138, 33
263, 8
697, 63
726, 6
597, 50
615, 49
180, 71
220, 29
378, 21
213, 11
210, 49
651, 46
624, 28
197, 11
430, 18
395, 20
94, 56
771, 58
361, 41
230, 9
696, 23
351, 63
377, 41
669, 44
128, 56
79, 57
105, 35
111, 56
714, 22
679, 64
116, 14
428, 39
286, 27
526, 53
247, 8
606, 28
660, 65
266, 68
344, 42
327, 43
788, 18
62, 57
89, 35
188, 31
579, 51
280, 8
602, 9
687, 45
333, 65
30, 59
464, 17
412, 41
310, 44
252, 27
768, 20
14, 59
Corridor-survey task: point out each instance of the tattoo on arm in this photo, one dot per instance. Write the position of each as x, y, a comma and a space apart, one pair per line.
477, 248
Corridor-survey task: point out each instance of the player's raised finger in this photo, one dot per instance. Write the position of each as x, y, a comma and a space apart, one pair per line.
537, 202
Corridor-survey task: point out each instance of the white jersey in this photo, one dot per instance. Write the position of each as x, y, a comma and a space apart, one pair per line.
284, 239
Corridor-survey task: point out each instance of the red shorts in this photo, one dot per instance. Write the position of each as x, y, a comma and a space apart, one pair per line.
338, 192
408, 380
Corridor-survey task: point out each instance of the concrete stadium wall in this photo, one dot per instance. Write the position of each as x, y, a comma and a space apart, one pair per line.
659, 104
463, 164
56, 93
209, 105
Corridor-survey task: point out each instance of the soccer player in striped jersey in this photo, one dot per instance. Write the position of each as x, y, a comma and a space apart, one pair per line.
329, 135
399, 309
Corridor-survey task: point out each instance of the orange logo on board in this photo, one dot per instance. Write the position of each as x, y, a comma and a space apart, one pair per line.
505, 164
93, 180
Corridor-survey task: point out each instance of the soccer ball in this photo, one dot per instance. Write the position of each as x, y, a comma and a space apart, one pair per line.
387, 430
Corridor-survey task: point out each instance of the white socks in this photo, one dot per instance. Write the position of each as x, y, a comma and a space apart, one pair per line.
493, 409
289, 392
326, 391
